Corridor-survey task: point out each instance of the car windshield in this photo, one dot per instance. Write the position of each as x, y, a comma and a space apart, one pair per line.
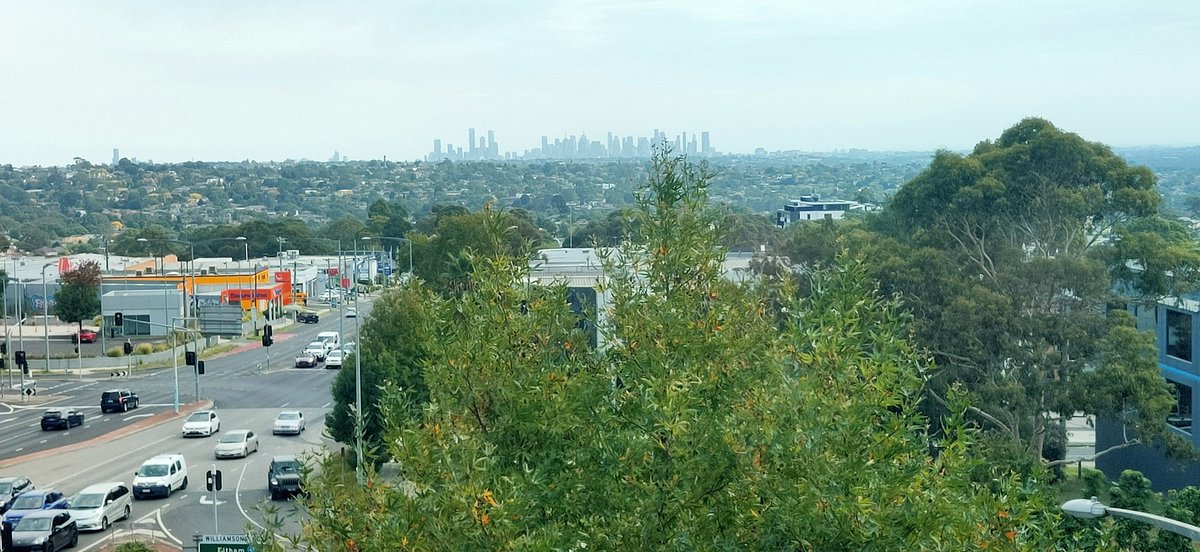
152, 470
287, 467
33, 524
87, 501
316, 345
52, 414
288, 416
6, 488
198, 417
233, 438
27, 502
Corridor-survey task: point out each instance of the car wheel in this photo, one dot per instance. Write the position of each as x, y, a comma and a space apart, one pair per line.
124, 407
47, 547
74, 539
126, 516
184, 486
104, 523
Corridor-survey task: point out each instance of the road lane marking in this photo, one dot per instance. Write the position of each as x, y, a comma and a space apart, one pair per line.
135, 416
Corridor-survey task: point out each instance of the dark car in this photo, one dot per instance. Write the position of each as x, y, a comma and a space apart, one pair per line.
283, 476
308, 318
45, 531
118, 400
61, 418
85, 336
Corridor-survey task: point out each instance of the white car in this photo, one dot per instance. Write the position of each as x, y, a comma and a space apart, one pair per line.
238, 443
351, 313
334, 360
317, 349
349, 347
288, 422
96, 507
201, 423
160, 475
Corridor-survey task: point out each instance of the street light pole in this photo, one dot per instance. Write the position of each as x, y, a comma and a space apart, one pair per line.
1092, 508
46, 314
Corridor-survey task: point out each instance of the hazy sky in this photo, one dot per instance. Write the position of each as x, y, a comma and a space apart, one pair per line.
233, 80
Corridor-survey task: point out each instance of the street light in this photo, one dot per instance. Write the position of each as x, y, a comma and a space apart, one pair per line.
358, 419
1092, 508
410, 249
46, 313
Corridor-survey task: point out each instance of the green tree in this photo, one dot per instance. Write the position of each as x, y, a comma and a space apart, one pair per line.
78, 296
718, 415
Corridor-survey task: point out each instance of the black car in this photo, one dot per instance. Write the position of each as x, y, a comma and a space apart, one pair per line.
308, 317
118, 400
45, 531
61, 418
283, 476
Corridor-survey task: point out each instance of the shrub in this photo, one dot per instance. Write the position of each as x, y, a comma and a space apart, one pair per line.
133, 546
115, 352
159, 347
143, 348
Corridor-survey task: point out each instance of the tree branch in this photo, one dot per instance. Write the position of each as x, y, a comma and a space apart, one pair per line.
1126, 444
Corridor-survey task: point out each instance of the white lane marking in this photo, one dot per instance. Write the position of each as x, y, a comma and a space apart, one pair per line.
326, 405
205, 500
135, 416
284, 405
158, 517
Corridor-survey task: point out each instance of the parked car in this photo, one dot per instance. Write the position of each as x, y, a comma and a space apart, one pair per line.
288, 421
334, 359
238, 443
160, 476
85, 336
306, 317
306, 360
61, 418
97, 506
32, 501
118, 400
11, 486
283, 476
201, 423
318, 349
45, 531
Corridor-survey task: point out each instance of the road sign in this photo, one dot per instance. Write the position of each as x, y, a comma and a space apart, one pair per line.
225, 543
120, 374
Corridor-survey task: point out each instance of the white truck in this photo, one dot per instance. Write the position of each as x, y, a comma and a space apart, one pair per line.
332, 340
160, 476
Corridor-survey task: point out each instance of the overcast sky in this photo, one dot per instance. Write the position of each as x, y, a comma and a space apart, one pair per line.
263, 80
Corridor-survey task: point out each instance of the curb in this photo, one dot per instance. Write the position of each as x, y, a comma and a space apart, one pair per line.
143, 424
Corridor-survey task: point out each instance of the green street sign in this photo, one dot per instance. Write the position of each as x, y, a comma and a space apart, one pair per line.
225, 543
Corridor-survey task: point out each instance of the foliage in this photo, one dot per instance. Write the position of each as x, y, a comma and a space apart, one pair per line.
718, 415
133, 546
78, 296
1132, 492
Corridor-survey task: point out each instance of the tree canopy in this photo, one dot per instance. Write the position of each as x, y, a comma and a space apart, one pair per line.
78, 296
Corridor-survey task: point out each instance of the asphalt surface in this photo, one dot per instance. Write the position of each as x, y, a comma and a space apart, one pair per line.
245, 390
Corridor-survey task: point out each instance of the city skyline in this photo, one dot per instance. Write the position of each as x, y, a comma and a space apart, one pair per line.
572, 147
293, 80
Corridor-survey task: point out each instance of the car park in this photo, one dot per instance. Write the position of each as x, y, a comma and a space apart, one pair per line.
160, 476
238, 443
85, 336
288, 422
118, 400
97, 506
334, 359
283, 476
305, 317
32, 501
61, 418
201, 423
317, 349
45, 531
306, 360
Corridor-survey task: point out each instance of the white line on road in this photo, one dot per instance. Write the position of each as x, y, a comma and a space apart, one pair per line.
135, 416
158, 517
284, 405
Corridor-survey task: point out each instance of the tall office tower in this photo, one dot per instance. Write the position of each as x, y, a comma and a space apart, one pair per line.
705, 146
643, 147
545, 146
493, 150
116, 157
471, 142
692, 146
627, 147
437, 148
682, 143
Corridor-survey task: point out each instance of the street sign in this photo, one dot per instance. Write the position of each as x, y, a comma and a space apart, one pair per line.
225, 543
120, 374
220, 320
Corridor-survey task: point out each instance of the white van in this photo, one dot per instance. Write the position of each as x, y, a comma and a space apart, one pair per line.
332, 340
160, 476
96, 507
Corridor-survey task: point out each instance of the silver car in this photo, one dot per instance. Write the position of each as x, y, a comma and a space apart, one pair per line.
96, 507
238, 443
288, 422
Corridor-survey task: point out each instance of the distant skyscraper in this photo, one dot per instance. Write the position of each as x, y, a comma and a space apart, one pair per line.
437, 148
471, 142
705, 146
116, 157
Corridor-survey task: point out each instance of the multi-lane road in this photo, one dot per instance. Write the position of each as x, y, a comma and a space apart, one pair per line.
240, 386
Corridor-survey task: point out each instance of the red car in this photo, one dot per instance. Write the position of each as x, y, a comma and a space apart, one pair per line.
85, 336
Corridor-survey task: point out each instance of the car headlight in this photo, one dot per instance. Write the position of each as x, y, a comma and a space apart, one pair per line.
39, 540
274, 481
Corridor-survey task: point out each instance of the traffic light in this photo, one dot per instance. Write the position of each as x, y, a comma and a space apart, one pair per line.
118, 319
189, 358
128, 348
213, 480
267, 329
200, 368
25, 369
20, 358
266, 340
3, 348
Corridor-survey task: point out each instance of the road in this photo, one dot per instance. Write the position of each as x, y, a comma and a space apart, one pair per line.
110, 447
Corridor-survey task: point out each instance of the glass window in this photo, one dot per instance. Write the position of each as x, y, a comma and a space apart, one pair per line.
1179, 335
133, 328
1181, 413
